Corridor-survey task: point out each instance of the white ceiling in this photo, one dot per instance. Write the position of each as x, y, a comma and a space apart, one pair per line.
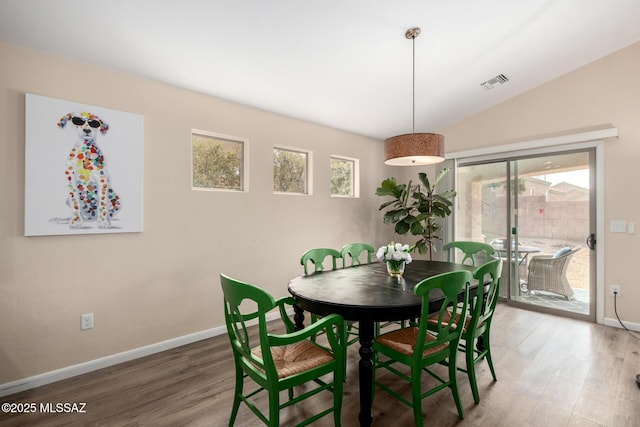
340, 63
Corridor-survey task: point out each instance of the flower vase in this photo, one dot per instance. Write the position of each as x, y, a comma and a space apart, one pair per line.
395, 268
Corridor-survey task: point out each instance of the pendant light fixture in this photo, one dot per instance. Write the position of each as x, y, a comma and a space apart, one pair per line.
414, 149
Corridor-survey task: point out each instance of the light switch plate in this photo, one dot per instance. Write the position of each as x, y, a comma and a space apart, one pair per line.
618, 226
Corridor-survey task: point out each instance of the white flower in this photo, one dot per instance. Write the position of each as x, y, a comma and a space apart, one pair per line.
395, 252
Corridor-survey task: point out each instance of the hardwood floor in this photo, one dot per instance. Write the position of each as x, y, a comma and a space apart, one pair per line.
551, 371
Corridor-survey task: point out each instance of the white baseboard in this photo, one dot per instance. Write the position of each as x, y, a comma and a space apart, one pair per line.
114, 359
104, 362
616, 324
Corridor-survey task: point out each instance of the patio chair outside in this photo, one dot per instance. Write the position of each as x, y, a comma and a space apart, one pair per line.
549, 272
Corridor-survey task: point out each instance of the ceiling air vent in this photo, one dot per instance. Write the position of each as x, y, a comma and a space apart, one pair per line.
500, 79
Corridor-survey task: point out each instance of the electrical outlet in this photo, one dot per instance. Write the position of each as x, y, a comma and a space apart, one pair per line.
86, 321
615, 290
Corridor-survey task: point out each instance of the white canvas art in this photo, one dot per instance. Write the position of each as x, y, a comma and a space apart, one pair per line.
83, 168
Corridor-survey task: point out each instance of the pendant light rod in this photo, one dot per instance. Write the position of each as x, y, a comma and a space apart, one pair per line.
414, 149
412, 33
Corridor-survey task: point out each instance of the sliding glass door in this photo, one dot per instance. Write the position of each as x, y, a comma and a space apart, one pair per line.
538, 213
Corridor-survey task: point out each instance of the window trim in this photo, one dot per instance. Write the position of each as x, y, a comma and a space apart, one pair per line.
309, 171
244, 175
355, 179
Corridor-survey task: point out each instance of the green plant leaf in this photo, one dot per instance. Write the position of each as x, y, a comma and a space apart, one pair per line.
417, 228
402, 228
384, 205
423, 216
424, 179
410, 219
441, 175
419, 196
397, 214
448, 194
387, 186
422, 247
446, 212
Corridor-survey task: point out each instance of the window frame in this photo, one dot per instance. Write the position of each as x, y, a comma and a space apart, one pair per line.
308, 174
355, 176
244, 162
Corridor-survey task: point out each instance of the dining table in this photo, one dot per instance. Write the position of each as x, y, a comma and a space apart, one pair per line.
522, 251
368, 294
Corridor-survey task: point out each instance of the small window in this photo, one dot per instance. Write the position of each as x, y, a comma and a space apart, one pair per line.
291, 171
218, 162
344, 177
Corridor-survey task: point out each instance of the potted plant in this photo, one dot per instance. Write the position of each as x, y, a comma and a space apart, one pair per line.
416, 210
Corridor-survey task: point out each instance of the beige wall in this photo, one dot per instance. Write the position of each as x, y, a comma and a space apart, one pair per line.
163, 283
605, 92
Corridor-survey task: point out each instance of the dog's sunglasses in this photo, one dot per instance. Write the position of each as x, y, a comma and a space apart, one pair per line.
79, 121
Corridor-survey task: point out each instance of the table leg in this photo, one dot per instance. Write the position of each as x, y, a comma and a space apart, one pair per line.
366, 372
298, 317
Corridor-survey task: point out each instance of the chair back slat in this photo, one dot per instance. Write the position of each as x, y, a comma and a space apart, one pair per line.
470, 251
317, 257
244, 302
353, 251
484, 303
455, 288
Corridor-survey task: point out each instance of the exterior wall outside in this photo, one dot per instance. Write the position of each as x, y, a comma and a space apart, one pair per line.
540, 218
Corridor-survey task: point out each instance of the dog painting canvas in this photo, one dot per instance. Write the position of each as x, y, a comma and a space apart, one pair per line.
83, 169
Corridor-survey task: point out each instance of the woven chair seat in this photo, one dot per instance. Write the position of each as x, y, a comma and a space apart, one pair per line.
404, 341
433, 320
296, 358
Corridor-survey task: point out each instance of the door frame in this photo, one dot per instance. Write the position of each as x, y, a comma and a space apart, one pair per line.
579, 141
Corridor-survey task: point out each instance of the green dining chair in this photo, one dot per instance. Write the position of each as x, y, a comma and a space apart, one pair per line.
317, 257
470, 251
408, 352
477, 322
353, 251
277, 362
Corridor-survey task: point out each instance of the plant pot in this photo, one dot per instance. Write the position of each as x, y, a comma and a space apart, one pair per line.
395, 268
